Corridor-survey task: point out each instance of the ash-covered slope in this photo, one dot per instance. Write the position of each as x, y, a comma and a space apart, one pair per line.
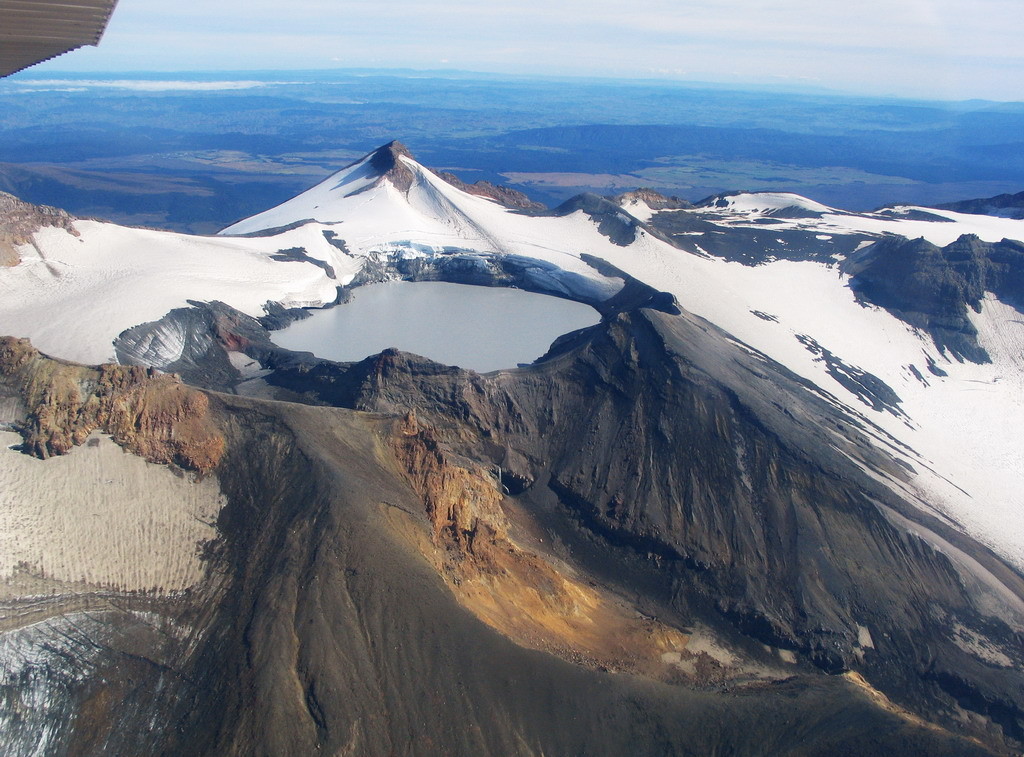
339, 635
352, 599
654, 447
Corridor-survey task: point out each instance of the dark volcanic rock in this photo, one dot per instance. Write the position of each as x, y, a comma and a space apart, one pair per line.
299, 255
913, 214
1004, 205
866, 387
664, 453
751, 245
931, 287
387, 162
193, 342
611, 220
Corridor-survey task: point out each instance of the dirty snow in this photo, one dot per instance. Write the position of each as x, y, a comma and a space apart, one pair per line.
102, 517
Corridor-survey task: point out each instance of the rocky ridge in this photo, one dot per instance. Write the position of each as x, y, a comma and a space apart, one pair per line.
151, 414
1004, 205
387, 162
510, 198
932, 287
20, 220
652, 198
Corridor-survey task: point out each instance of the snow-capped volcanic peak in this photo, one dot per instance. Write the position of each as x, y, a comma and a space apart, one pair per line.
333, 198
768, 203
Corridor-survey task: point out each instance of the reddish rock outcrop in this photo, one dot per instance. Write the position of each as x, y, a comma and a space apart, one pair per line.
151, 414
462, 502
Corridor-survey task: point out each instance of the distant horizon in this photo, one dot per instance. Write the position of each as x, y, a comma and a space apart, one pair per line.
231, 79
922, 49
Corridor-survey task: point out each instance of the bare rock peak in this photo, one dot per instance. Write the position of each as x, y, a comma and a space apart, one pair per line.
385, 160
386, 156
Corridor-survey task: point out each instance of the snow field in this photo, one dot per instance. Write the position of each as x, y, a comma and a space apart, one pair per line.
73, 295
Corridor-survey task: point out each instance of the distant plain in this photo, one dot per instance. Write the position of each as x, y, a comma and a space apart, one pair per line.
195, 152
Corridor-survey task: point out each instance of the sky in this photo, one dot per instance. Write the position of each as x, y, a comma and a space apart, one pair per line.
945, 49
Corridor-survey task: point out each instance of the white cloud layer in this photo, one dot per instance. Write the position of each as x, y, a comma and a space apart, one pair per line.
144, 85
938, 48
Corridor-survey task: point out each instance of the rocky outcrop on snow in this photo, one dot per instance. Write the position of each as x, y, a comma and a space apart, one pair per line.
20, 220
651, 198
932, 287
1004, 206
510, 198
153, 415
620, 227
387, 162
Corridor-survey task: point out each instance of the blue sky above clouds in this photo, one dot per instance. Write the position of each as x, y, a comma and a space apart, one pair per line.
949, 49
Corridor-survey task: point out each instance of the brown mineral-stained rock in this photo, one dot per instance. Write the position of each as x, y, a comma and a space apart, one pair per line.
460, 500
151, 414
20, 220
536, 602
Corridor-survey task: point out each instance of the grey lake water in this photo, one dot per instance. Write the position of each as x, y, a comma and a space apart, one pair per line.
482, 328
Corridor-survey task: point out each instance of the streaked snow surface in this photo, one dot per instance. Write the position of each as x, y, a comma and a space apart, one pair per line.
102, 517
965, 428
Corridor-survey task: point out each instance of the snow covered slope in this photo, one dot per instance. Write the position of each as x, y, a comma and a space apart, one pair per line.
790, 212
72, 295
402, 209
